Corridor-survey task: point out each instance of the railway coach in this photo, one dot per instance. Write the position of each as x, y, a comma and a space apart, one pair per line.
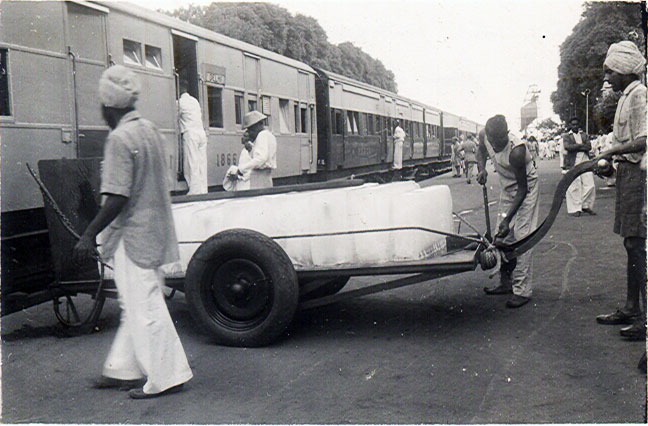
356, 123
52, 55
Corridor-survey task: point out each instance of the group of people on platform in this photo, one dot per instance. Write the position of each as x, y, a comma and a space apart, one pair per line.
135, 223
513, 160
463, 157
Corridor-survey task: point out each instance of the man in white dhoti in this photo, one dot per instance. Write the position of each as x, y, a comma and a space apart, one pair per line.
581, 193
194, 142
139, 237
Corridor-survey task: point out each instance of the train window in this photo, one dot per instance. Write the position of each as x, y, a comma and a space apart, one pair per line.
153, 57
297, 121
132, 52
337, 126
252, 105
284, 116
370, 124
215, 106
238, 107
303, 118
352, 122
5, 106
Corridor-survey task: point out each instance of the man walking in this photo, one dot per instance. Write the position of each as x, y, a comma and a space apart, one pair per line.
518, 204
469, 148
581, 193
623, 66
139, 237
194, 141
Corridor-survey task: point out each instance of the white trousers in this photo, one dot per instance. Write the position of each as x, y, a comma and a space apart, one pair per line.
146, 344
398, 155
523, 223
194, 146
581, 193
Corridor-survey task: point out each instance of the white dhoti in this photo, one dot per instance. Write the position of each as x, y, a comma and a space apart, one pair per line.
260, 178
523, 223
581, 193
398, 155
194, 145
146, 343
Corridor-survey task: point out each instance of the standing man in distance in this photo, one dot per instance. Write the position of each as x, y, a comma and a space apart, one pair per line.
399, 139
469, 148
264, 151
194, 141
140, 237
623, 66
518, 204
581, 193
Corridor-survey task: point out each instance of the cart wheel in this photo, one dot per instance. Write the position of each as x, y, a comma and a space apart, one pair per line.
78, 310
329, 288
242, 288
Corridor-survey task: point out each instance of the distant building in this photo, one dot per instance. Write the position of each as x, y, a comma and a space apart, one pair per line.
528, 113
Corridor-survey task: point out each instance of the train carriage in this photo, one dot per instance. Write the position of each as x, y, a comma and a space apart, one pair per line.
51, 110
52, 55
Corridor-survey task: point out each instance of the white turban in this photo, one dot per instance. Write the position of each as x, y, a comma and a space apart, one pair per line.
624, 57
118, 87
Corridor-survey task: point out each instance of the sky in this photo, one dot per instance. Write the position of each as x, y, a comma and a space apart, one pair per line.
473, 58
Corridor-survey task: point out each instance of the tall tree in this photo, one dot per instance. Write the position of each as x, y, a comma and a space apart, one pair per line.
582, 55
298, 37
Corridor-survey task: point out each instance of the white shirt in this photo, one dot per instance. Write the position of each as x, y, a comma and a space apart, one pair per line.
190, 113
264, 153
399, 134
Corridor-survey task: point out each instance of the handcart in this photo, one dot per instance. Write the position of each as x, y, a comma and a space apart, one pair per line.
241, 286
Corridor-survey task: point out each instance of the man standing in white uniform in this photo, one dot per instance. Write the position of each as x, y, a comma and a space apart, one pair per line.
399, 139
582, 191
264, 151
194, 141
139, 237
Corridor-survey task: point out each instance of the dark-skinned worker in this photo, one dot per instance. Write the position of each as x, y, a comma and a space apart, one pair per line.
518, 203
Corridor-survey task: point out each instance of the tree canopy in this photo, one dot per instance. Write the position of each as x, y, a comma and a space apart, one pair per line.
298, 37
581, 60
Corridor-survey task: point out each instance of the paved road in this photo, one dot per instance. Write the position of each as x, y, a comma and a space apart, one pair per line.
436, 352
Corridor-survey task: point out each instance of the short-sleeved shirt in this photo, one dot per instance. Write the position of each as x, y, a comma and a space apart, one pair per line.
470, 149
630, 118
399, 134
190, 114
134, 167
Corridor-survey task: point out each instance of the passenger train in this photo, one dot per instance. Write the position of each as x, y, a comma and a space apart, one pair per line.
52, 54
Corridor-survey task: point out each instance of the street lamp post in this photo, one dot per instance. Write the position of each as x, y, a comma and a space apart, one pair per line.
586, 93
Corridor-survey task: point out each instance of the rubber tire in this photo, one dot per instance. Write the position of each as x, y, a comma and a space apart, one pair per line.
328, 289
233, 254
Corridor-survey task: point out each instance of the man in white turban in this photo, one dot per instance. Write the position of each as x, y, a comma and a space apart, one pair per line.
623, 66
146, 355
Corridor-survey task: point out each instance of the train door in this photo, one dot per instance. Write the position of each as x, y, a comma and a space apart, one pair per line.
87, 52
304, 114
185, 65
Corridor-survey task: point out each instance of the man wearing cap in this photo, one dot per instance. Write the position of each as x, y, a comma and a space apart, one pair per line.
146, 356
623, 66
264, 151
399, 139
194, 141
518, 204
